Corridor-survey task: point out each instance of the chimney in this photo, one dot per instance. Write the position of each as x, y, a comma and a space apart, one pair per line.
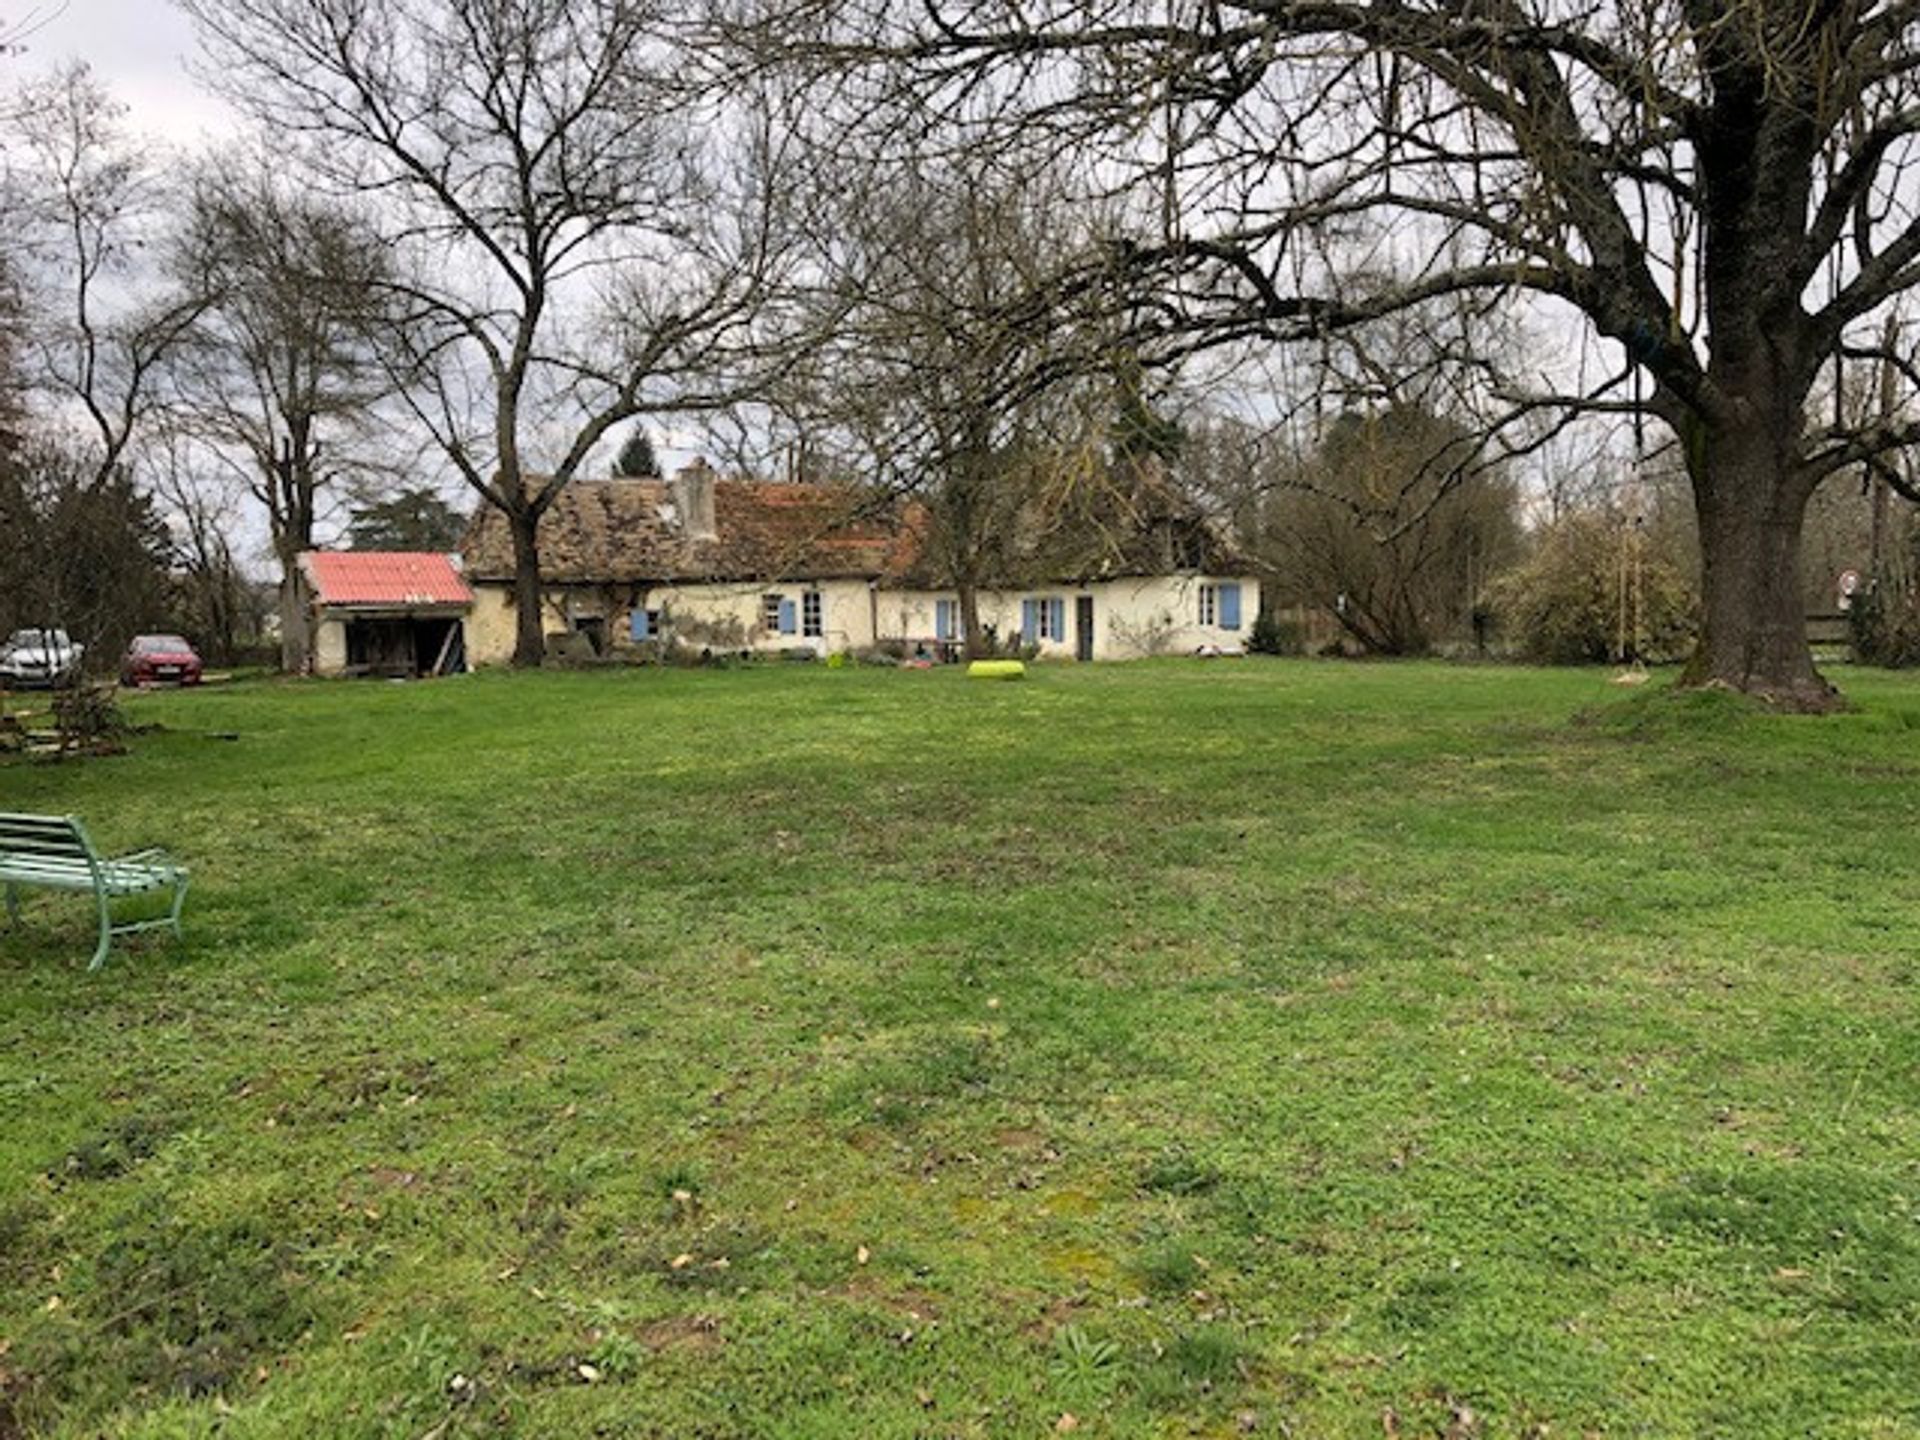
693, 498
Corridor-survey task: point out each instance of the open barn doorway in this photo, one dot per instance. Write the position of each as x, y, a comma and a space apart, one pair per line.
406, 646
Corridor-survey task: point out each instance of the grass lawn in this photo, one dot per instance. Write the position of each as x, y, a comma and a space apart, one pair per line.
1281, 1048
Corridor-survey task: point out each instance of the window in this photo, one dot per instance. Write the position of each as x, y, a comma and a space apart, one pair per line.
645, 624
812, 614
1043, 619
1220, 605
777, 614
946, 620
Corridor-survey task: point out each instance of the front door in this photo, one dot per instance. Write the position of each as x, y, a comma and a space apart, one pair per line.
1083, 627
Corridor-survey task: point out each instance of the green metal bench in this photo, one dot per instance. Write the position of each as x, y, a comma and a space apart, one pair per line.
52, 852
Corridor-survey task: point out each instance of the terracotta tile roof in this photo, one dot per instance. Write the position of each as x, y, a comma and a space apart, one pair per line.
629, 532
385, 577
625, 531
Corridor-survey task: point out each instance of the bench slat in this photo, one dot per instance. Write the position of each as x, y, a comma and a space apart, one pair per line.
50, 835
11, 824
52, 882
39, 837
24, 874
115, 876
10, 846
81, 884
25, 820
21, 861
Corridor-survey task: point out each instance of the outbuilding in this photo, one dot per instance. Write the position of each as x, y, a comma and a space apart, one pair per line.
394, 613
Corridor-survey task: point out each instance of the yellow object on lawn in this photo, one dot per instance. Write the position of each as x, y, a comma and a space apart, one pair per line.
996, 670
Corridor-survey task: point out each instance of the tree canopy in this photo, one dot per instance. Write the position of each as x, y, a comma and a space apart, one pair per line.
412, 519
1719, 190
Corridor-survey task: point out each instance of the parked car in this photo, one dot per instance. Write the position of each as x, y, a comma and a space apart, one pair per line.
39, 657
160, 660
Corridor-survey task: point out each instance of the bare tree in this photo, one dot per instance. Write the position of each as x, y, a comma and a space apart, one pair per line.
279, 376
586, 237
202, 501
1722, 190
90, 198
1382, 530
952, 361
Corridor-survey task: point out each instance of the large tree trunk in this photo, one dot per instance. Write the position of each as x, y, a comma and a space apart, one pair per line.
975, 638
296, 634
290, 487
1752, 502
529, 628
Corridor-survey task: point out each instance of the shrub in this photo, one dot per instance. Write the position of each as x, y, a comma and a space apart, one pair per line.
1884, 628
1271, 635
88, 717
1561, 605
1154, 635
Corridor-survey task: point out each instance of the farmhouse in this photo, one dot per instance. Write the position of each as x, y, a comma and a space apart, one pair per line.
385, 612
750, 565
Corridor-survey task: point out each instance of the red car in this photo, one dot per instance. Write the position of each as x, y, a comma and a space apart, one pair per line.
159, 660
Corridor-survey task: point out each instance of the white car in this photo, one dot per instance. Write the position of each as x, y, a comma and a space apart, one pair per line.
39, 657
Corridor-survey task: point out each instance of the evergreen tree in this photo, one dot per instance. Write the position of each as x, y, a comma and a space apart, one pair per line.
1137, 431
416, 519
636, 459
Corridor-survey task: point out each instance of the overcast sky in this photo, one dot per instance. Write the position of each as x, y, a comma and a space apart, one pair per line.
139, 49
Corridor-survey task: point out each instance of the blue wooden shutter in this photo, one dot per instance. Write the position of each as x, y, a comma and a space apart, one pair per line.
1229, 607
1029, 622
943, 619
1057, 618
786, 616
640, 629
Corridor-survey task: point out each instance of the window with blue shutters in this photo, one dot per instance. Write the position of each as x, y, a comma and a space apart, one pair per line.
645, 624
1229, 607
1043, 619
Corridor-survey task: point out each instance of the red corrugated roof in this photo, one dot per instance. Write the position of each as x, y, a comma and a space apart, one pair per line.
386, 577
